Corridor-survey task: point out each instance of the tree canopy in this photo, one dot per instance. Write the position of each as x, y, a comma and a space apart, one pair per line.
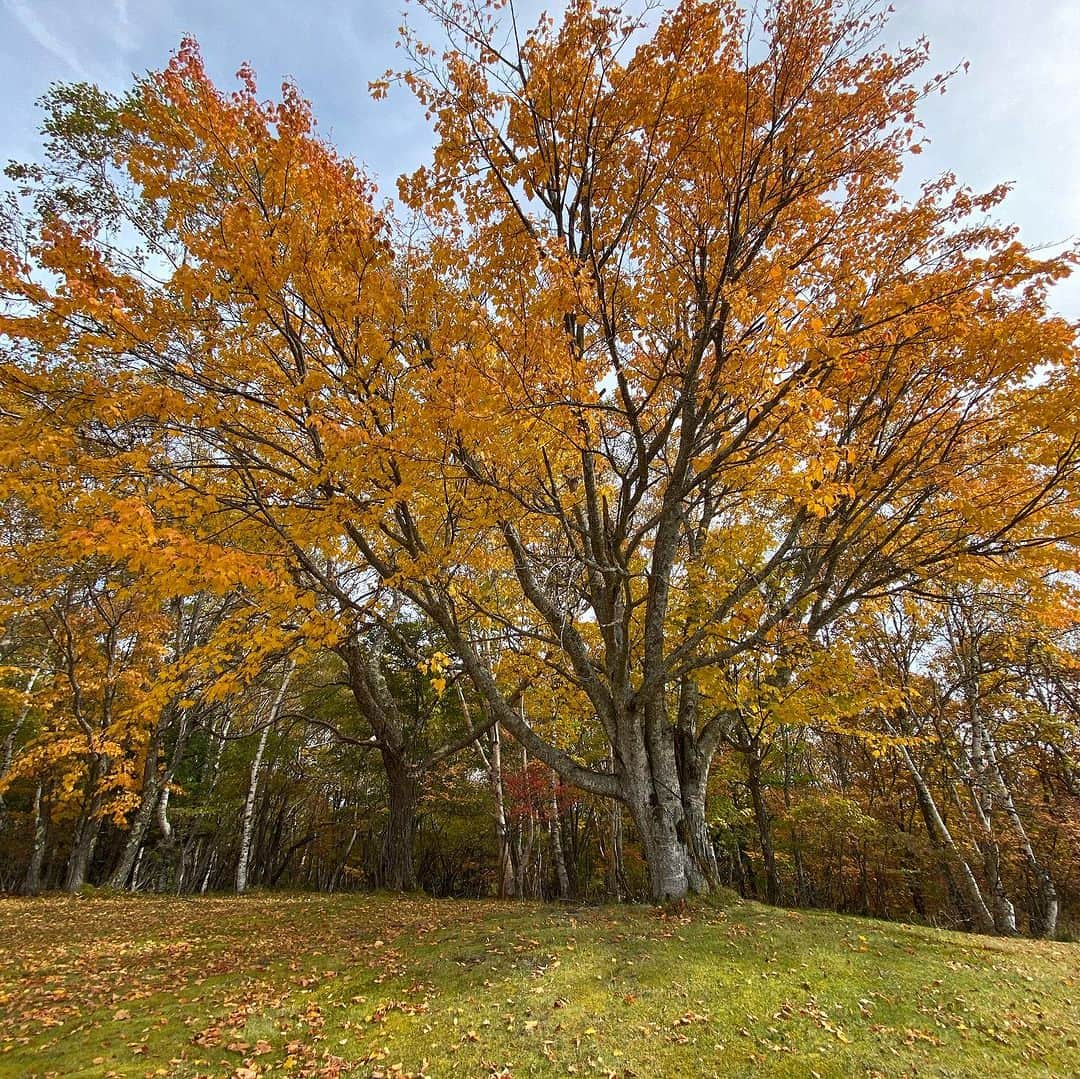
650, 425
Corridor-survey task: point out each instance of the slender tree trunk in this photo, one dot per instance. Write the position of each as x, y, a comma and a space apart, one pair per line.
773, 892
1045, 913
206, 876
556, 841
965, 636
243, 863
32, 884
502, 831
982, 802
140, 826
344, 860
248, 820
802, 885
7, 752
504, 885
616, 875
1001, 907
967, 887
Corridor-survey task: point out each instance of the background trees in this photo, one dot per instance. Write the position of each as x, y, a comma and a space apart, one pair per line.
634, 433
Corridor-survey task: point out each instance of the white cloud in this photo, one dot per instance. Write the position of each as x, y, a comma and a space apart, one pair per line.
59, 50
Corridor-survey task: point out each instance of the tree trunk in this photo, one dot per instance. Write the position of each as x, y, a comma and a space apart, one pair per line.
86, 831
8, 751
502, 832
616, 875
556, 841
967, 888
121, 875
396, 871
243, 863
32, 884
1045, 913
82, 849
344, 861
151, 792
773, 892
654, 797
982, 802
247, 826
694, 781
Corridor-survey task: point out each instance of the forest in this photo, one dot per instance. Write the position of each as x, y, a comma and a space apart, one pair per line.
643, 499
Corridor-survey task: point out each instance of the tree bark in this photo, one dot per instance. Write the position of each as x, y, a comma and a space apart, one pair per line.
8, 751
248, 820
694, 781
1045, 913
82, 849
967, 887
32, 884
502, 829
773, 891
396, 870
556, 841
243, 863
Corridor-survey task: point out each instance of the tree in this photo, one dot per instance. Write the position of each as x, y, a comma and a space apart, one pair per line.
662, 376
742, 385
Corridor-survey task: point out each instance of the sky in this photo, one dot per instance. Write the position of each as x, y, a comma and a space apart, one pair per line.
1014, 116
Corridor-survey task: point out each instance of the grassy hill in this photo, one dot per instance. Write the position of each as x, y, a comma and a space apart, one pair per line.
388, 986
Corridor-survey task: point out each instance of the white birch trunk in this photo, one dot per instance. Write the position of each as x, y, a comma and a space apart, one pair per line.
242, 865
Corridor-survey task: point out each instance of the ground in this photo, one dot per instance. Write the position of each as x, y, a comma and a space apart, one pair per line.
389, 986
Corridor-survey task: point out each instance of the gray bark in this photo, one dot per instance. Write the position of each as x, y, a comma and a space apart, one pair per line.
8, 751
1045, 915
556, 842
975, 908
247, 827
32, 883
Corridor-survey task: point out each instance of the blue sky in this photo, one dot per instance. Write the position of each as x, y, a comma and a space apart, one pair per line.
1014, 116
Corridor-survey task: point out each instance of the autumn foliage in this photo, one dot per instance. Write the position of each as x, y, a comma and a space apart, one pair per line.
650, 427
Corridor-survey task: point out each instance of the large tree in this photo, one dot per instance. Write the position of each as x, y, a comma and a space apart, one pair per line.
661, 375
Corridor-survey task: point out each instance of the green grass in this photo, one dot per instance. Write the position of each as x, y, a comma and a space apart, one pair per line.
389, 986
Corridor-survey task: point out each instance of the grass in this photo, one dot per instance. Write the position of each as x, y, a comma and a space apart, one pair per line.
388, 986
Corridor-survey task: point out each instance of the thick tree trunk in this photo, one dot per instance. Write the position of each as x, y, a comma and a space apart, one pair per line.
694, 781
656, 807
82, 849
396, 870
655, 800
667, 854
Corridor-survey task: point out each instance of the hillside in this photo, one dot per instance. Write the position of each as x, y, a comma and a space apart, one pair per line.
387, 986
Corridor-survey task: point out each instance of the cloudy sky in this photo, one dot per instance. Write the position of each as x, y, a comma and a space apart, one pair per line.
1014, 116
